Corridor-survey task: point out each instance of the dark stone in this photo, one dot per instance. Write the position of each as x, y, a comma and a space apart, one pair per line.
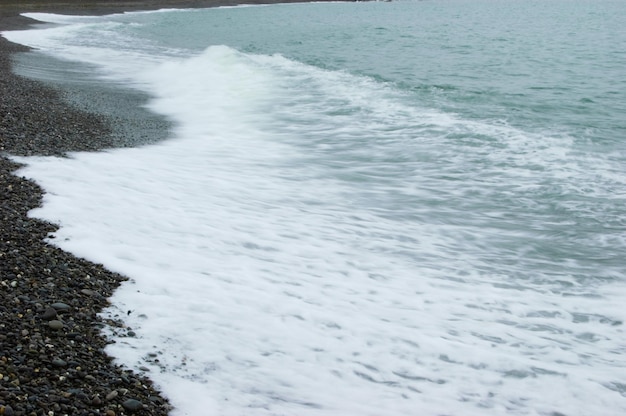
55, 324
49, 313
57, 362
132, 405
59, 306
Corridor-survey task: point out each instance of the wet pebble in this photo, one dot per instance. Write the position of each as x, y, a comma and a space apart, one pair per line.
49, 313
59, 306
132, 405
55, 324
57, 362
87, 292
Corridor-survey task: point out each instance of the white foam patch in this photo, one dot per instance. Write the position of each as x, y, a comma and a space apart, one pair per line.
103, 42
269, 297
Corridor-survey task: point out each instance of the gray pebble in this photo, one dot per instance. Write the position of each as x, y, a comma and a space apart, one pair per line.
55, 324
49, 313
60, 306
57, 362
132, 405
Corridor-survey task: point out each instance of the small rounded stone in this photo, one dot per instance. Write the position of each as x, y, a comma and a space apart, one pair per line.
132, 405
57, 362
49, 313
55, 324
60, 306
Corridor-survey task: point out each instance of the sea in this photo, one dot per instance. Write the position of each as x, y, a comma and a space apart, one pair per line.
358, 209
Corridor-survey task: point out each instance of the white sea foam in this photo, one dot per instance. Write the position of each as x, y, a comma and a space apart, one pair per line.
312, 242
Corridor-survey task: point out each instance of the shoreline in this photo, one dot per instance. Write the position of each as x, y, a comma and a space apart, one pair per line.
52, 355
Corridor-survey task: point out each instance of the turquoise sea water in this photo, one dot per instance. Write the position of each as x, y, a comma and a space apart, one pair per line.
362, 208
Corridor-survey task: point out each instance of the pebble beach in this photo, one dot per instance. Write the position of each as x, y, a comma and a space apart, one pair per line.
51, 351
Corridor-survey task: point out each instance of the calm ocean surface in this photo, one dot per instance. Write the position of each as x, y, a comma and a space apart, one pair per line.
405, 208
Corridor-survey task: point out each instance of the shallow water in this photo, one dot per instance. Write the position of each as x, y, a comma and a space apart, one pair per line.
362, 208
